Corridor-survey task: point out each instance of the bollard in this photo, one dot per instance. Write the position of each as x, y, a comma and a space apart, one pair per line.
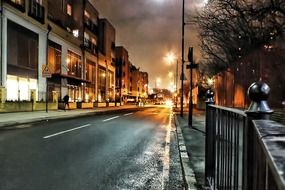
258, 93
210, 97
209, 140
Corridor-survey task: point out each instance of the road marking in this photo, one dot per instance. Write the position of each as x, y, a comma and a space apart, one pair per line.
128, 114
62, 132
110, 118
166, 157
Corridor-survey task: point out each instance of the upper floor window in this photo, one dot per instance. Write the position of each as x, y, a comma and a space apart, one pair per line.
39, 1
69, 9
19, 2
86, 14
22, 51
54, 57
86, 39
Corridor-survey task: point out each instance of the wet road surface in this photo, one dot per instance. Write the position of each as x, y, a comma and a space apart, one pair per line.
130, 150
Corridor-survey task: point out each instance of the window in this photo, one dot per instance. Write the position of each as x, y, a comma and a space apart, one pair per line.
86, 39
19, 2
93, 40
22, 51
20, 88
101, 84
74, 64
75, 33
69, 9
111, 79
90, 70
86, 14
54, 57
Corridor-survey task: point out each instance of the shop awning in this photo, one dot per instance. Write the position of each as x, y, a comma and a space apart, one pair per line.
71, 78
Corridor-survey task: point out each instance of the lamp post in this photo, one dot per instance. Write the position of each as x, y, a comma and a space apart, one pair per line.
182, 59
191, 66
47, 38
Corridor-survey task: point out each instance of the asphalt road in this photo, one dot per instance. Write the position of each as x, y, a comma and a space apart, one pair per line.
129, 150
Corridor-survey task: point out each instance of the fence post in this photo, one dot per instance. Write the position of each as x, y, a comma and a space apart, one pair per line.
209, 140
258, 93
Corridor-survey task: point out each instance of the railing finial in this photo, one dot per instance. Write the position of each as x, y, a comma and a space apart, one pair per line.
210, 97
258, 93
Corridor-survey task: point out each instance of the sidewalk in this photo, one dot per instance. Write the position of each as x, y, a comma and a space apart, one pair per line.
18, 118
192, 148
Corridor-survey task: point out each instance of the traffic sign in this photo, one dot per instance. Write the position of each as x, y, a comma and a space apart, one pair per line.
192, 66
46, 71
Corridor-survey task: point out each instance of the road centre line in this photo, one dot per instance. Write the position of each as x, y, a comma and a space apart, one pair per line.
110, 118
128, 114
62, 132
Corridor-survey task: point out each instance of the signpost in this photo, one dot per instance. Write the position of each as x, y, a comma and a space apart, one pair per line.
46, 74
46, 71
191, 66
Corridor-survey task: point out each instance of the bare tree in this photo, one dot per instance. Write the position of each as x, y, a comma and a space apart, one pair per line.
232, 29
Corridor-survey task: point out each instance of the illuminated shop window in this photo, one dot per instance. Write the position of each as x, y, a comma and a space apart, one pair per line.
74, 64
19, 88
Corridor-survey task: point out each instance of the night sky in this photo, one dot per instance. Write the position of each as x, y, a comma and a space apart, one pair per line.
149, 29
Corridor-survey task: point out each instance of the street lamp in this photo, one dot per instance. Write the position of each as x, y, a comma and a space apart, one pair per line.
182, 59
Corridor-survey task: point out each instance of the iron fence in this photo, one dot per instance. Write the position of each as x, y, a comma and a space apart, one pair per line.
244, 149
224, 147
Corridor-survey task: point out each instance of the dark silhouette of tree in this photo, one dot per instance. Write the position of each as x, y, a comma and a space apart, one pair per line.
231, 29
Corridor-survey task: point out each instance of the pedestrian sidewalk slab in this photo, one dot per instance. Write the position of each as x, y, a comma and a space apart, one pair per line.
192, 148
18, 118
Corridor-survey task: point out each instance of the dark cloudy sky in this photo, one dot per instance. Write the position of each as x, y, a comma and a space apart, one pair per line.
149, 29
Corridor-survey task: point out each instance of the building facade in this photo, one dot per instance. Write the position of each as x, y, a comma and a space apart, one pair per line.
138, 83
60, 40
23, 49
122, 73
106, 61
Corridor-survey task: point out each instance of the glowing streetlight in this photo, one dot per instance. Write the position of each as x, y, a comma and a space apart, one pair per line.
170, 58
210, 81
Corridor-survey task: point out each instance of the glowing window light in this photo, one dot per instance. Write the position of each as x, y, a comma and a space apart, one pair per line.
12, 88
24, 89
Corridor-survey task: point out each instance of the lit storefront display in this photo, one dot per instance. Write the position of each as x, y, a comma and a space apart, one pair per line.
90, 76
19, 89
22, 62
111, 86
101, 84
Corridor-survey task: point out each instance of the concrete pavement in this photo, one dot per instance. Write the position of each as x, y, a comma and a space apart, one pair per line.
192, 148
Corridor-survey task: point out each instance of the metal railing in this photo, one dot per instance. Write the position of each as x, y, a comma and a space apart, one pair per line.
244, 149
224, 142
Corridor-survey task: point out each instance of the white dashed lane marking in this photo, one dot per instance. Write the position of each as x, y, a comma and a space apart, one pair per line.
110, 118
62, 132
128, 114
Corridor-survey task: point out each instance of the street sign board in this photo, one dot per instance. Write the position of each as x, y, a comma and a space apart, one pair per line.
46, 71
192, 66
